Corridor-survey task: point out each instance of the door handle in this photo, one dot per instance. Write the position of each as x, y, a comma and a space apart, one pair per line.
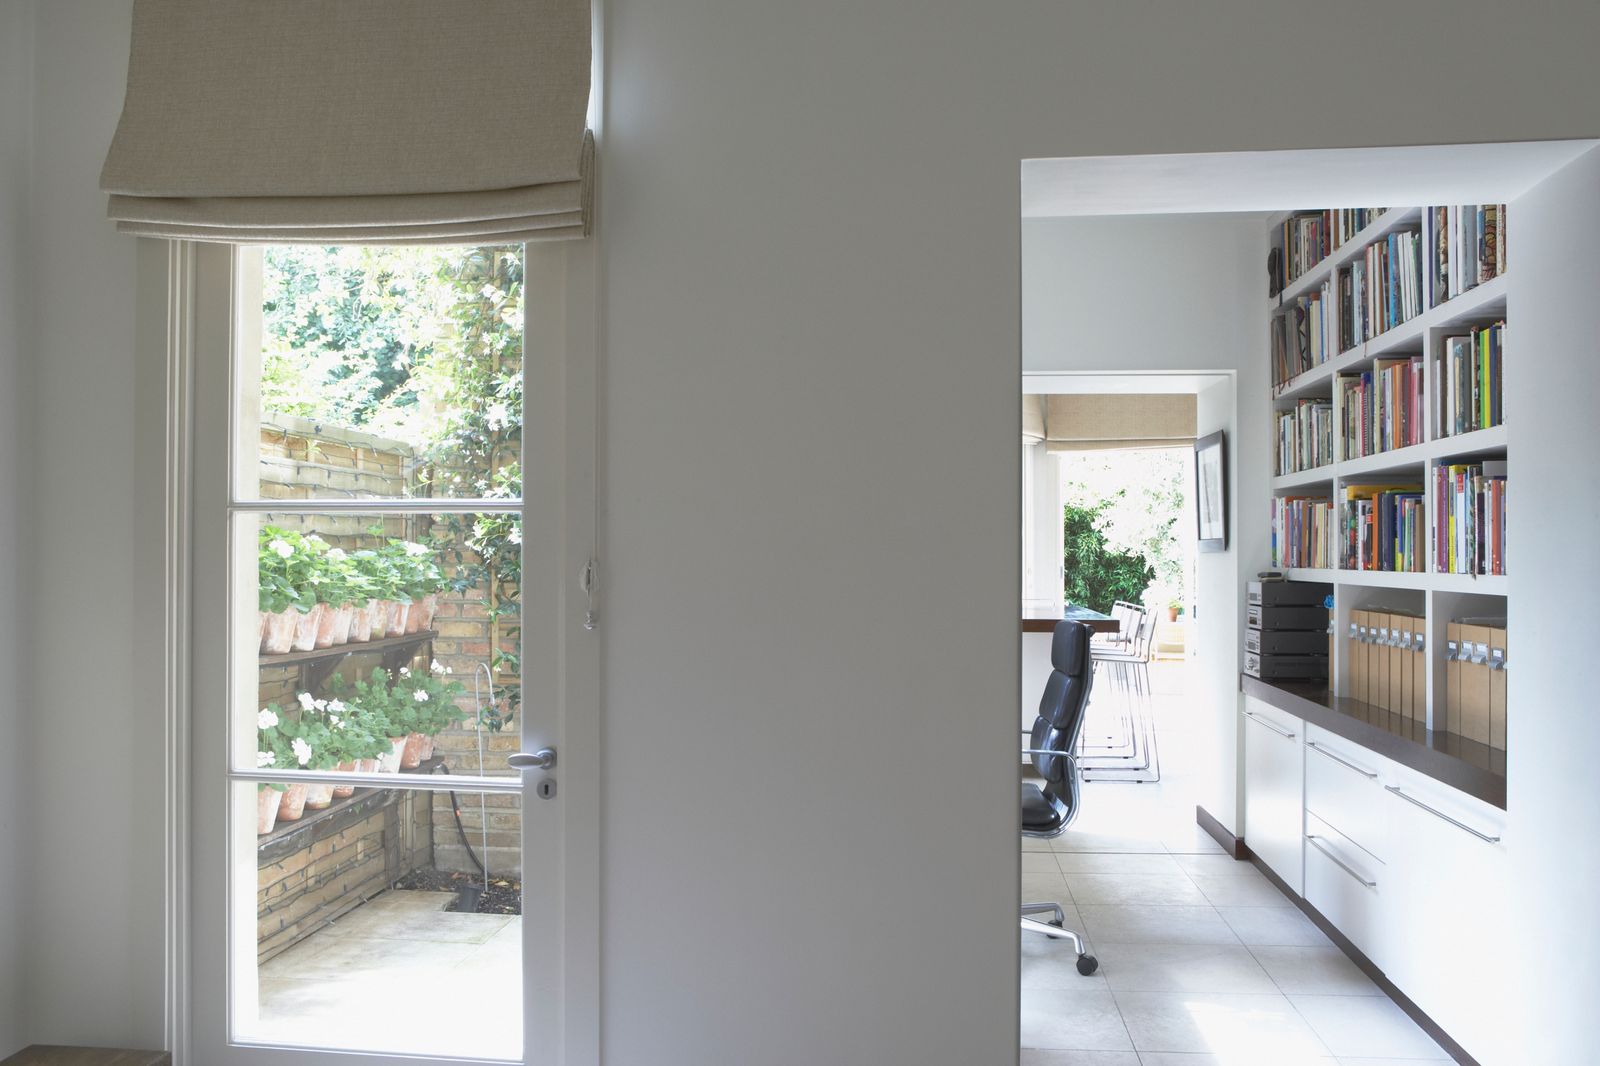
543, 759
1485, 837
1316, 842
1326, 753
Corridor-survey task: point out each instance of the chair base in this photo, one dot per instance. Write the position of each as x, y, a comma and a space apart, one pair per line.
1087, 964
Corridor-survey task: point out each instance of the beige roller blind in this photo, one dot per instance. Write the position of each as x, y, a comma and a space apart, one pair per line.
355, 121
1102, 422
1032, 417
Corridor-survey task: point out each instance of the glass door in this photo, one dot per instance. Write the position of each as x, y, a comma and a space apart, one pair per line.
373, 876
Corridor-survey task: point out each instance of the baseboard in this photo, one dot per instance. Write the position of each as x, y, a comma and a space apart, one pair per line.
1231, 844
1401, 1000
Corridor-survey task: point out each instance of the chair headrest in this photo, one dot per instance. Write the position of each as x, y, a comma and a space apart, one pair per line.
1069, 650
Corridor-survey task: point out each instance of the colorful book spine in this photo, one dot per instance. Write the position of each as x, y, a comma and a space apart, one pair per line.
1302, 532
1468, 368
1469, 533
1384, 528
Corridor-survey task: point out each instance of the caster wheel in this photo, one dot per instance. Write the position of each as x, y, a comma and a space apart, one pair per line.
1087, 964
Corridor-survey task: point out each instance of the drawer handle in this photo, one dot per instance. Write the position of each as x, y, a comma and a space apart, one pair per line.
1253, 716
1486, 838
1340, 863
1368, 774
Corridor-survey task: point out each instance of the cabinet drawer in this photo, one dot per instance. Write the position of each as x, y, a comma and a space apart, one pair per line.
1274, 789
1344, 788
1345, 883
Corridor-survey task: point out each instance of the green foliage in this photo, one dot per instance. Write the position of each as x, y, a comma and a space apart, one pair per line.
1096, 577
1141, 501
300, 570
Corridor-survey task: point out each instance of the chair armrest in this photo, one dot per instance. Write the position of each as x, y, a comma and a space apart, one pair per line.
1067, 755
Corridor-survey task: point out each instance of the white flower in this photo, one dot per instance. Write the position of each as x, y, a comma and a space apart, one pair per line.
438, 667
515, 536
265, 758
266, 719
420, 696
498, 415
281, 547
336, 554
307, 701
336, 721
413, 549
320, 704
316, 540
302, 750
405, 671
336, 707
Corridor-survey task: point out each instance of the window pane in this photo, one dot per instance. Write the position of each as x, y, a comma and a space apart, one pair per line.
373, 928
359, 631
381, 372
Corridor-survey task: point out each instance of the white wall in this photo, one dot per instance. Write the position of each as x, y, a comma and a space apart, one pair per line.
811, 240
15, 92
1138, 293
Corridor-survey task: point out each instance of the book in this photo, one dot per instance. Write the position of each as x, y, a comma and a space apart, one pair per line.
1302, 532
1305, 436
1384, 528
1468, 367
1469, 502
1381, 408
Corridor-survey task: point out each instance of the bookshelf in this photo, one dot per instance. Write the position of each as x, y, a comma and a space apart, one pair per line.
1438, 597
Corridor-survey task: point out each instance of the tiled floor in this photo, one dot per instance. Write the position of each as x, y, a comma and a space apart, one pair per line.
1202, 961
354, 983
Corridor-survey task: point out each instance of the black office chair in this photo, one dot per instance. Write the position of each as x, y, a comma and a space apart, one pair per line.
1048, 810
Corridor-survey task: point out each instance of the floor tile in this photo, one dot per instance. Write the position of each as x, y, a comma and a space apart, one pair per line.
1240, 891
1313, 970
1182, 968
1264, 1025
1122, 923
1035, 1057
1038, 862
1044, 888
1347, 1061
1365, 1026
1097, 862
1272, 926
1074, 840
1075, 1021
1151, 889
1232, 1058
1218, 865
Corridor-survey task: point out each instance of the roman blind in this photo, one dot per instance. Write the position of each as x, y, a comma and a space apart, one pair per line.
355, 121
1089, 422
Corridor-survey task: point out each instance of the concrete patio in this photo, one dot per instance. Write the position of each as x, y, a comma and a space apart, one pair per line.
401, 974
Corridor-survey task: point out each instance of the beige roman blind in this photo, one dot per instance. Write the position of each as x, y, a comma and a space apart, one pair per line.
1085, 422
355, 121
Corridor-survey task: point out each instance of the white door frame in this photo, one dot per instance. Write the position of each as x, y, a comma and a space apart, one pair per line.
185, 309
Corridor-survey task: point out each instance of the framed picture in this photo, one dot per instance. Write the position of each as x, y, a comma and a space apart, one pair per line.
1211, 492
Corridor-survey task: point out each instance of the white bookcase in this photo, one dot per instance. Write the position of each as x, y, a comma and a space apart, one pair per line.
1437, 597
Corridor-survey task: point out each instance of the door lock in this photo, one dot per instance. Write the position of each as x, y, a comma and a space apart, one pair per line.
546, 788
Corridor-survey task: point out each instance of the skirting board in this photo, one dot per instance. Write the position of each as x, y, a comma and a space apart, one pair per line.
1240, 850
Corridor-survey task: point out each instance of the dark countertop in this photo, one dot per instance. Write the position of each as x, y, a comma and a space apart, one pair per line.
1038, 621
1449, 758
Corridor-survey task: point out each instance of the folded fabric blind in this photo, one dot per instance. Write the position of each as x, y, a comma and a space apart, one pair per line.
355, 121
1090, 422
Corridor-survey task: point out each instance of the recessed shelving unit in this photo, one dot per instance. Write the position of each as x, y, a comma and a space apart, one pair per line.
1439, 597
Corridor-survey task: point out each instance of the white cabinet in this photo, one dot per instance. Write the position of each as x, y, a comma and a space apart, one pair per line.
1344, 788
1274, 790
1449, 901
1347, 886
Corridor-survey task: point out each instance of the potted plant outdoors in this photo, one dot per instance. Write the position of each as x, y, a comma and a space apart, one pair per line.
424, 581
404, 558
287, 562
378, 582
369, 701
356, 592
270, 751
314, 748
344, 589
280, 745
286, 605
431, 697
1174, 609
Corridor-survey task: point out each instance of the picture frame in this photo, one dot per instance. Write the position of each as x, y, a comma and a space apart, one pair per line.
1211, 492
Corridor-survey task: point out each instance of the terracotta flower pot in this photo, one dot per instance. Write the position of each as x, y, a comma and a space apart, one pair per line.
414, 617
430, 607
412, 758
305, 628
319, 797
293, 803
278, 638
390, 763
397, 618
261, 629
378, 624
361, 623
344, 617
427, 745
368, 766
341, 792
267, 801
327, 623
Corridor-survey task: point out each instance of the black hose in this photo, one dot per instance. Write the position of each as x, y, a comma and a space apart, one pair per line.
455, 809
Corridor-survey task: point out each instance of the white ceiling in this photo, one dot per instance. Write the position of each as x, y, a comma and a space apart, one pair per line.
1117, 384
1286, 181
